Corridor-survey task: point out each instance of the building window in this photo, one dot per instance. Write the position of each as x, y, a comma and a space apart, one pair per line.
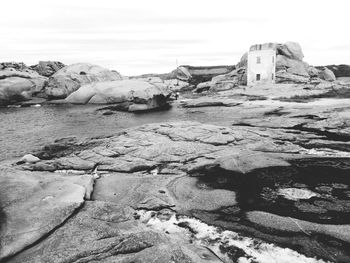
258, 77
258, 60
273, 76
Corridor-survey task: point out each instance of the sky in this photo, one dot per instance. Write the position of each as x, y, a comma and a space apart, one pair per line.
154, 36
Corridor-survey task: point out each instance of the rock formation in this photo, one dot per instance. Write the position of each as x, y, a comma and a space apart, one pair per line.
293, 66
326, 74
291, 50
338, 70
224, 82
130, 95
35, 203
195, 75
163, 172
173, 84
70, 78
18, 83
47, 68
290, 68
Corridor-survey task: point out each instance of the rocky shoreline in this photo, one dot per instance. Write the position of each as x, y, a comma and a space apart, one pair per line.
82, 83
264, 178
255, 180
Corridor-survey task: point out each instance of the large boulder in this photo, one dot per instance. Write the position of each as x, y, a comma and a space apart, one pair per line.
135, 95
287, 77
18, 83
33, 204
327, 74
70, 78
293, 66
47, 68
291, 50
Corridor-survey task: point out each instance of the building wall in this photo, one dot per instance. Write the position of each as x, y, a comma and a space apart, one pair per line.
266, 68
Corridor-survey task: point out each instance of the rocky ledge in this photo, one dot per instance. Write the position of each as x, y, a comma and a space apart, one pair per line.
182, 192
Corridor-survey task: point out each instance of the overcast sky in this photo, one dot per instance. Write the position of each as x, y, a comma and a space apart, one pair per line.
143, 36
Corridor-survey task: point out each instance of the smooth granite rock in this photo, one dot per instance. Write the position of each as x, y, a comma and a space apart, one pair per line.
136, 95
68, 79
34, 204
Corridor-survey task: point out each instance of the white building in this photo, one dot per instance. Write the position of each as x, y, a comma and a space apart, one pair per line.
261, 64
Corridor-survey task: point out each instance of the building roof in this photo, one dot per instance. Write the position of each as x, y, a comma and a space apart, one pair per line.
264, 46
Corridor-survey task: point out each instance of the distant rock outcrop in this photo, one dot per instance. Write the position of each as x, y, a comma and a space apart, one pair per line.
291, 50
195, 75
173, 84
18, 83
326, 74
224, 82
338, 70
290, 68
130, 95
47, 68
70, 78
293, 66
187, 77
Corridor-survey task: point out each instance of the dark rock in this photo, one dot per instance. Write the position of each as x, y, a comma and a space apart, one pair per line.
108, 113
47, 68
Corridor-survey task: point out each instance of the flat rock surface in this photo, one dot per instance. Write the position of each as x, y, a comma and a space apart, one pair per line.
277, 172
33, 204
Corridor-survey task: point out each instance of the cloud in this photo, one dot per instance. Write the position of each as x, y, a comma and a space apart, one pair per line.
345, 47
137, 36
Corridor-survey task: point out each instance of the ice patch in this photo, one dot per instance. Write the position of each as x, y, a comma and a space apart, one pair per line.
296, 193
249, 250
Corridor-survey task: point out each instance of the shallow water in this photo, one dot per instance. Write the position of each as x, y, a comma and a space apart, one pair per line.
24, 129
